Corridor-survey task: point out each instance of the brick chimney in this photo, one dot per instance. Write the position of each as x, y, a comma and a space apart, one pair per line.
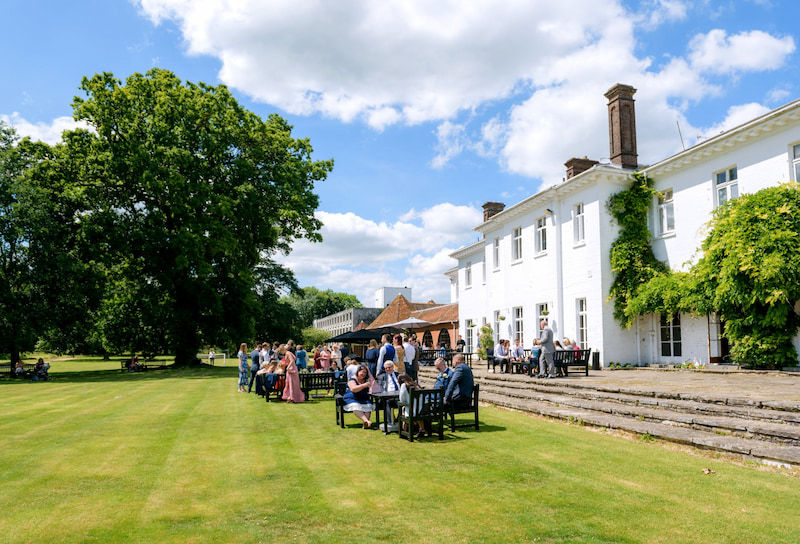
622, 126
492, 208
576, 166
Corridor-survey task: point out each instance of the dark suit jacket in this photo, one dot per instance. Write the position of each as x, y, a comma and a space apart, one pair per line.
384, 378
461, 384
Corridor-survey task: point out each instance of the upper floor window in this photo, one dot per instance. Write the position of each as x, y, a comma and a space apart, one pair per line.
541, 235
577, 223
468, 276
666, 212
496, 253
483, 271
727, 184
516, 244
796, 161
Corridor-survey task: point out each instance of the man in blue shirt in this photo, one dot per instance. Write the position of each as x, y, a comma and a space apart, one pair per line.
445, 373
459, 390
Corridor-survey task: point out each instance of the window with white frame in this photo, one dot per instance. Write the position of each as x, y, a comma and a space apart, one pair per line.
578, 224
496, 253
516, 244
470, 335
518, 325
541, 235
468, 276
496, 326
666, 212
542, 312
671, 335
583, 323
483, 271
727, 185
796, 161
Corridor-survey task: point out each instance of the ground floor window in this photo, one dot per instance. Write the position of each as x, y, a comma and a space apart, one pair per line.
470, 335
518, 325
583, 324
427, 340
671, 335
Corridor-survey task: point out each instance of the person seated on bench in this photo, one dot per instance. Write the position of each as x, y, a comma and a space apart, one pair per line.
40, 371
445, 373
19, 370
501, 356
406, 383
134, 365
356, 398
517, 353
459, 390
389, 382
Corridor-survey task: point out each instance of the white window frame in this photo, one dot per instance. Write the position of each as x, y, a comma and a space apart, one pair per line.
726, 185
496, 254
670, 335
579, 224
795, 158
468, 275
541, 235
542, 312
496, 326
470, 335
516, 244
582, 325
483, 272
665, 209
519, 324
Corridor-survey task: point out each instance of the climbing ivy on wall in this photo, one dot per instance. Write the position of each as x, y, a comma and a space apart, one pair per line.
632, 259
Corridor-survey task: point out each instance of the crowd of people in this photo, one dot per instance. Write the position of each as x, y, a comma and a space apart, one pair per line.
391, 366
541, 356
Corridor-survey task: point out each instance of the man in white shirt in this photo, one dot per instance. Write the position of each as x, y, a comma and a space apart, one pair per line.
389, 383
410, 356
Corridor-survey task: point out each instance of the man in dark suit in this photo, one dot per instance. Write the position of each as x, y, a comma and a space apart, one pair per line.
389, 383
459, 390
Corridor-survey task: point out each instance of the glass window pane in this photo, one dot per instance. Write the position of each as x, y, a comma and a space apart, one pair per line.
670, 218
796, 151
734, 190
732, 174
721, 178
722, 196
665, 351
677, 350
797, 171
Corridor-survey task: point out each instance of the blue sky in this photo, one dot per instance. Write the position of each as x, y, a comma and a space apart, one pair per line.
428, 108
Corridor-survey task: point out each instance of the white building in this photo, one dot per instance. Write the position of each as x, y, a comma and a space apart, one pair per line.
385, 295
549, 254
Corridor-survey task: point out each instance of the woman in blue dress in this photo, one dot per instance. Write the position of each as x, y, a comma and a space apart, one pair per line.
243, 369
356, 398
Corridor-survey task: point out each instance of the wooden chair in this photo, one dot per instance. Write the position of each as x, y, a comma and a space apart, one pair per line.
470, 409
340, 388
426, 405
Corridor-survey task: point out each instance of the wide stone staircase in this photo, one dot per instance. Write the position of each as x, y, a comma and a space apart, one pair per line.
767, 431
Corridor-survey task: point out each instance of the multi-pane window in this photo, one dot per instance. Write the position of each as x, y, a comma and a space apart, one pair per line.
496, 253
796, 161
483, 271
578, 223
583, 323
670, 335
496, 326
541, 235
727, 183
468, 276
516, 244
666, 212
542, 312
518, 327
470, 335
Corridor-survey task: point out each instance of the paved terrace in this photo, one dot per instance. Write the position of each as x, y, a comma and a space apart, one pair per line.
754, 414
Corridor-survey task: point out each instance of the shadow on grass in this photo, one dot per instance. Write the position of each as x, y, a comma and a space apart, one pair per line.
199, 372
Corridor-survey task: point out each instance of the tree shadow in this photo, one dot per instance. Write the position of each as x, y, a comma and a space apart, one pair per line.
198, 372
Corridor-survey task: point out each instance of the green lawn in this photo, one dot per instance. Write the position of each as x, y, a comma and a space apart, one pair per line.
180, 456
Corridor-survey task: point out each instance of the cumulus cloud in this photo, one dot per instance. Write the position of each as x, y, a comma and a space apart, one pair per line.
717, 52
49, 133
359, 255
736, 116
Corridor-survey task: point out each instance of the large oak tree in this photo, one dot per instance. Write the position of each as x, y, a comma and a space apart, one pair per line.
188, 194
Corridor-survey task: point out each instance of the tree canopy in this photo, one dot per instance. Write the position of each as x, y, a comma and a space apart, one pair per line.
184, 197
310, 303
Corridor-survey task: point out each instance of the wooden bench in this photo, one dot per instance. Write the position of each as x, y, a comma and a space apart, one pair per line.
472, 408
568, 358
8, 370
340, 388
426, 405
152, 365
316, 381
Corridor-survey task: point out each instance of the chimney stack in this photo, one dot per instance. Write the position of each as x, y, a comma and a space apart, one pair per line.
622, 126
577, 166
492, 208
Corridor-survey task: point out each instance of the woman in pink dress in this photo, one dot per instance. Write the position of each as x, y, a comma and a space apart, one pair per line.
292, 391
325, 358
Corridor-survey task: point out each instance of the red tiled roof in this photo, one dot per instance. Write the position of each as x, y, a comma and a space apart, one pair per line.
441, 314
399, 309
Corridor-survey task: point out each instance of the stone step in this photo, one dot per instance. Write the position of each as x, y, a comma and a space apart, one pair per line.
767, 432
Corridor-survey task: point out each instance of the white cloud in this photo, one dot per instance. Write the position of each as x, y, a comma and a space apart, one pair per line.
660, 11
747, 51
358, 255
451, 140
49, 133
736, 116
